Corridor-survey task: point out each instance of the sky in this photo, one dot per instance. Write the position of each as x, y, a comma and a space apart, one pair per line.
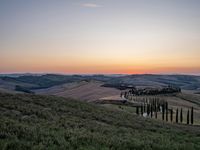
100, 36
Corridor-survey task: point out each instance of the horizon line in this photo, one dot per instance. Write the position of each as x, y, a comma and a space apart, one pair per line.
54, 73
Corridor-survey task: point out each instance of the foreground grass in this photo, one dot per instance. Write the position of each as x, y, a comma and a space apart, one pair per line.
45, 122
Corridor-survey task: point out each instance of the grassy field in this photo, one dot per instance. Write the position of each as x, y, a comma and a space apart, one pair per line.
47, 122
88, 91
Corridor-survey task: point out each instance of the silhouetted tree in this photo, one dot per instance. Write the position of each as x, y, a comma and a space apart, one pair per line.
192, 115
166, 107
125, 94
148, 109
156, 112
181, 116
158, 106
171, 114
154, 104
188, 113
137, 110
177, 115
141, 109
163, 112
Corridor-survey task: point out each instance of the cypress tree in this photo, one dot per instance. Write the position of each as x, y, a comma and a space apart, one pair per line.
167, 115
159, 106
171, 114
188, 113
177, 115
151, 111
156, 112
125, 94
155, 105
141, 109
163, 112
192, 115
166, 106
148, 110
137, 111
181, 116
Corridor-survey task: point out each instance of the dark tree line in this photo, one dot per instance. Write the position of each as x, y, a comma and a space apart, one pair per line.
151, 91
152, 108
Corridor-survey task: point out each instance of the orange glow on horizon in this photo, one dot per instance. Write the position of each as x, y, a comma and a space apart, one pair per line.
129, 37
91, 68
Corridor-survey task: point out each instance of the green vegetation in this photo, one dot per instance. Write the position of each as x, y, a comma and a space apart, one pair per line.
46, 122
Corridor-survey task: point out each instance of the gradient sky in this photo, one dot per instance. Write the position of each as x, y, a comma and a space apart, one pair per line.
100, 36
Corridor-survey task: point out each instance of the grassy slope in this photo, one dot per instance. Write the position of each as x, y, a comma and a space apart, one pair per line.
44, 122
87, 91
190, 97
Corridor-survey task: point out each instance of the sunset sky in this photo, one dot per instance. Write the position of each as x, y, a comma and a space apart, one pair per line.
100, 36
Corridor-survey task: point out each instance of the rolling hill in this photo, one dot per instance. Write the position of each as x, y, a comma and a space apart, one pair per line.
87, 91
48, 122
31, 82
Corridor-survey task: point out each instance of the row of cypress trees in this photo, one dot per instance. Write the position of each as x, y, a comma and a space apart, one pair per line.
190, 116
154, 105
152, 108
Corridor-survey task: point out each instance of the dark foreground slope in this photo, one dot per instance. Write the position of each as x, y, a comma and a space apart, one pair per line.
44, 122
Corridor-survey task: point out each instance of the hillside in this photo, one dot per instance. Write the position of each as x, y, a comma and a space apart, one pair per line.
186, 82
29, 83
48, 122
87, 91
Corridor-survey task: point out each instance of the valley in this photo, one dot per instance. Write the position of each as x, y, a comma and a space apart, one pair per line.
88, 112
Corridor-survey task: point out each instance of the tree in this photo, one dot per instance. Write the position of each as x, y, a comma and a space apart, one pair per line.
158, 106
166, 106
137, 110
188, 113
181, 116
148, 109
156, 112
163, 112
177, 115
171, 114
192, 115
154, 104
151, 111
125, 94
141, 109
